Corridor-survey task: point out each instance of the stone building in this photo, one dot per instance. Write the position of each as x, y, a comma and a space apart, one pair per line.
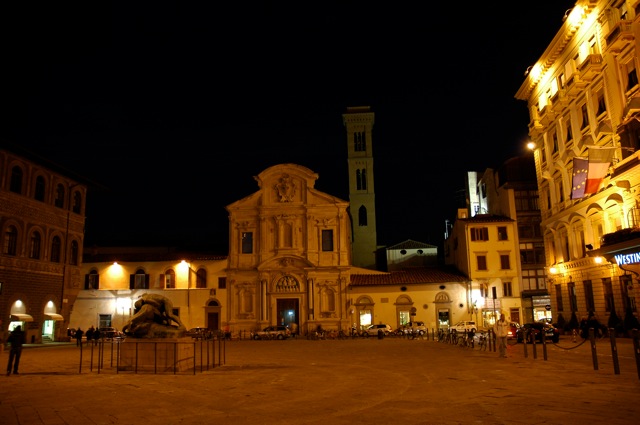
42, 217
583, 97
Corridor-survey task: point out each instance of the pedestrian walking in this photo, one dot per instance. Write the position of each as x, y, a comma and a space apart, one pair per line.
89, 334
96, 336
501, 330
16, 339
78, 336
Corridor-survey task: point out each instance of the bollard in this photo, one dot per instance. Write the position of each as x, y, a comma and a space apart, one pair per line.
636, 348
614, 352
594, 354
544, 345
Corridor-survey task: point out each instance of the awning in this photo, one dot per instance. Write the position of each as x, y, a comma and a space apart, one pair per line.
54, 316
21, 318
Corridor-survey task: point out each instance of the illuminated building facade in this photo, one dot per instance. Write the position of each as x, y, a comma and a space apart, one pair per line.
583, 99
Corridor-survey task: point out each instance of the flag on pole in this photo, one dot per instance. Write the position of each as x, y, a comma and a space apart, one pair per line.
599, 161
579, 178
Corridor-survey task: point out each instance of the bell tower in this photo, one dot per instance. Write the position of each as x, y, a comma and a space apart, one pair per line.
358, 121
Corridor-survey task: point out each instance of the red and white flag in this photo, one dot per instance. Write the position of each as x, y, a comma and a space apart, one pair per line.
599, 161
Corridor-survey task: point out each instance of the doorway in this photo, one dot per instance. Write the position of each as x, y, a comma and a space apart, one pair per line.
288, 312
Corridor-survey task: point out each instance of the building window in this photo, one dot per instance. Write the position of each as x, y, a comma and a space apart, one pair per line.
362, 216
16, 180
484, 291
34, 246
505, 264
327, 240
607, 288
139, 280
361, 179
502, 233
247, 242
222, 283
588, 295
39, 191
359, 141
479, 234
584, 111
532, 253
533, 279
573, 299
77, 202
628, 302
482, 262
201, 278
559, 303
56, 248
11, 241
73, 259
59, 201
506, 289
92, 280
170, 279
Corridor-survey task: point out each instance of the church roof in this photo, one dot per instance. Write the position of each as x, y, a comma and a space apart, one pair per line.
410, 244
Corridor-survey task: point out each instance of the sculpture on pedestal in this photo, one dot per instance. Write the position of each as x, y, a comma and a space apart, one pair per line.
153, 318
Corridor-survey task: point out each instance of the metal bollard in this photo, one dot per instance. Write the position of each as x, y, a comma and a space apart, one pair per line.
614, 352
594, 353
636, 348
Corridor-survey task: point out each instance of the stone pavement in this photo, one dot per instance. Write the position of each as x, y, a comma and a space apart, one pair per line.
360, 381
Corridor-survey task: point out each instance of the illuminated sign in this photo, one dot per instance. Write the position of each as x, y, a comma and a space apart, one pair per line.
623, 259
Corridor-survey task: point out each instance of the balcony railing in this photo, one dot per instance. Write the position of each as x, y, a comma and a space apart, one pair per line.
620, 37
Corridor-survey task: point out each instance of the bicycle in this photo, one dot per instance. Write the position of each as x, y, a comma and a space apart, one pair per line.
482, 341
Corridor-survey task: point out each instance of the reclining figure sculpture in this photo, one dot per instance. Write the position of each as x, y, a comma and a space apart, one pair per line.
153, 318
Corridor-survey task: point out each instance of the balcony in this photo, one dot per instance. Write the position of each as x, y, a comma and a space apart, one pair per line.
591, 67
547, 115
575, 84
560, 101
620, 37
535, 128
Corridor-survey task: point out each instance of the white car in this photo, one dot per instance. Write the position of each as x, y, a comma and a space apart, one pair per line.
372, 330
410, 327
465, 326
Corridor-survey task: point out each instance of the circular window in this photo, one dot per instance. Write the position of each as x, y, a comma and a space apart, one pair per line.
403, 251
403, 288
420, 252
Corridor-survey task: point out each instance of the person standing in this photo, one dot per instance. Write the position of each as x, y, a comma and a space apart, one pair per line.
16, 339
501, 329
78, 336
96, 336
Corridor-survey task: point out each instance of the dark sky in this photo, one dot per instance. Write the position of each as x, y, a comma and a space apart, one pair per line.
174, 107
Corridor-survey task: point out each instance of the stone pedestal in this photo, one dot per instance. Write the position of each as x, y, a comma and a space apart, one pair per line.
157, 355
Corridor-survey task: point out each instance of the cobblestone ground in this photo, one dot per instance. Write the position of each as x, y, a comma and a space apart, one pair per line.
359, 381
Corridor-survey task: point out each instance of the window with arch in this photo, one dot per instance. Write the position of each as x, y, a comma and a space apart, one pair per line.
38, 194
56, 248
92, 280
201, 278
59, 201
35, 245
77, 202
73, 255
359, 141
16, 180
361, 179
169, 279
362, 216
139, 280
10, 246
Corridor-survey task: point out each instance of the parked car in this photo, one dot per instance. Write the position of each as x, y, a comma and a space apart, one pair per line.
110, 333
372, 330
513, 330
465, 326
535, 330
409, 327
199, 333
272, 332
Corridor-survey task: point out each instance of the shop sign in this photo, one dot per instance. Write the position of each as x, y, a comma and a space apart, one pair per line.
622, 259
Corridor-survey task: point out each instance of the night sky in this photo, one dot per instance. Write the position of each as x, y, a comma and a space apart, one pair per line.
172, 108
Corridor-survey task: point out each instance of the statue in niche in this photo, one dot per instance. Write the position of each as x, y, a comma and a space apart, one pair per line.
153, 318
286, 188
